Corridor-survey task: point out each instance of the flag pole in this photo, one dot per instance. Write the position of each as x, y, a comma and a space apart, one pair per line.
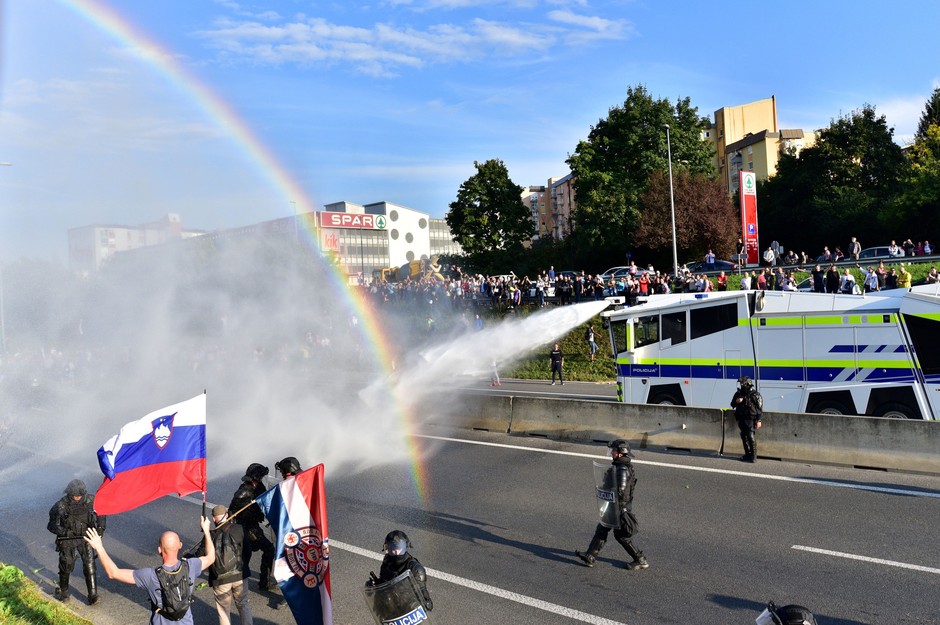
205, 481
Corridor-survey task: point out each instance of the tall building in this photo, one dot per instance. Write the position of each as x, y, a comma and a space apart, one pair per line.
563, 205
747, 138
760, 153
733, 123
91, 246
382, 234
535, 198
360, 238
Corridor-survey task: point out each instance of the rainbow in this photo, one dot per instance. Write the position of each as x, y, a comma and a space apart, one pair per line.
124, 32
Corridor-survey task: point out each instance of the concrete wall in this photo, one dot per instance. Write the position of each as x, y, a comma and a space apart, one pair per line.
891, 444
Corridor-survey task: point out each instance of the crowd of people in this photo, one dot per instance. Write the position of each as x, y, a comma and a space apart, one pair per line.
224, 553
774, 254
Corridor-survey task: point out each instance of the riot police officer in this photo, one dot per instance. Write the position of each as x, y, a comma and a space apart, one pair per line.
288, 467
618, 479
397, 560
68, 520
251, 518
748, 409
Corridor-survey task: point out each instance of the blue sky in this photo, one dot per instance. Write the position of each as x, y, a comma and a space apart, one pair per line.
394, 100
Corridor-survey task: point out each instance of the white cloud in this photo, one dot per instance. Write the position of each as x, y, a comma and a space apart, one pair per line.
591, 28
388, 47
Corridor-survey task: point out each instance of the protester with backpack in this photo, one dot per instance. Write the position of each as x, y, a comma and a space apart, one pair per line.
170, 585
748, 409
227, 573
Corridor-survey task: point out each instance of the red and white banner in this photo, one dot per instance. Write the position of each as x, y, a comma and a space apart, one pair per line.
748, 193
330, 219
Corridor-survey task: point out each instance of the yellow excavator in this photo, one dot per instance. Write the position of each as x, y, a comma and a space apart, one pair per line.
415, 270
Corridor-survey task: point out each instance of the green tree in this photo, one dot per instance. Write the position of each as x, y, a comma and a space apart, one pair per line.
705, 217
931, 116
612, 167
488, 218
845, 185
920, 202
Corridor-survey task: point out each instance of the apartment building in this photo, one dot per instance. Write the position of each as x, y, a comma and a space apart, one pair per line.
747, 138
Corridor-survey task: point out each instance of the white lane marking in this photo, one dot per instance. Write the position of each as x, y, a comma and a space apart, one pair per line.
779, 478
851, 556
561, 610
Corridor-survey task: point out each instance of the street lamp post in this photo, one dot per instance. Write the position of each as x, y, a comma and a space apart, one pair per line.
672, 206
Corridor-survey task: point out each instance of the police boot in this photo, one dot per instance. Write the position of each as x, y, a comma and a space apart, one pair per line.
62, 590
639, 560
91, 583
590, 556
753, 454
266, 581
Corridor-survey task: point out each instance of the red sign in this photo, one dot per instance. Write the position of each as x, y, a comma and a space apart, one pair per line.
330, 219
748, 193
330, 241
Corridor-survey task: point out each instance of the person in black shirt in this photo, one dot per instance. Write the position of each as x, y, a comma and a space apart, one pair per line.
557, 361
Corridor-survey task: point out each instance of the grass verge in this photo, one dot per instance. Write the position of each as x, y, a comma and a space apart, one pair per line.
21, 602
578, 365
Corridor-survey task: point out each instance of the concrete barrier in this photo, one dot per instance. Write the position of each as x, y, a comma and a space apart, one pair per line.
870, 442
643, 425
473, 412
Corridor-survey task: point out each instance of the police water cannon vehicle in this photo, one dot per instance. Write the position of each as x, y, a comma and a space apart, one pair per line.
876, 354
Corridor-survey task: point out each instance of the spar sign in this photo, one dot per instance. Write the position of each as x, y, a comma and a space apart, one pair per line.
330, 219
749, 216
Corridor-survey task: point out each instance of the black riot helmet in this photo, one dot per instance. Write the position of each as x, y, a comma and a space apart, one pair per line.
76, 488
787, 615
744, 382
255, 471
396, 543
620, 445
288, 466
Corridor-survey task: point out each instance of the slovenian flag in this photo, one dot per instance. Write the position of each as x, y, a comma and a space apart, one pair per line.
296, 509
160, 454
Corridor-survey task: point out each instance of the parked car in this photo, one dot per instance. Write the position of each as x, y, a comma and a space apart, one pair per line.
607, 275
700, 266
623, 273
880, 251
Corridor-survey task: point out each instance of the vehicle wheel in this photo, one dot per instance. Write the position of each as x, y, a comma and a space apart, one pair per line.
831, 408
894, 410
664, 399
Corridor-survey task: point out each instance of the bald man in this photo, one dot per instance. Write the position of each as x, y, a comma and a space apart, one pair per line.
168, 548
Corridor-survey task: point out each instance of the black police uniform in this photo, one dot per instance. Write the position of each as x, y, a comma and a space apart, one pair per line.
621, 477
68, 520
395, 565
250, 519
748, 413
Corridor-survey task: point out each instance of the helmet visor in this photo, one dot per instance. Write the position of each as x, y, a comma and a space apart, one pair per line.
396, 546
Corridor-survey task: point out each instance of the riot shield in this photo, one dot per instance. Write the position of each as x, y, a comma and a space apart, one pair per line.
607, 504
396, 602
